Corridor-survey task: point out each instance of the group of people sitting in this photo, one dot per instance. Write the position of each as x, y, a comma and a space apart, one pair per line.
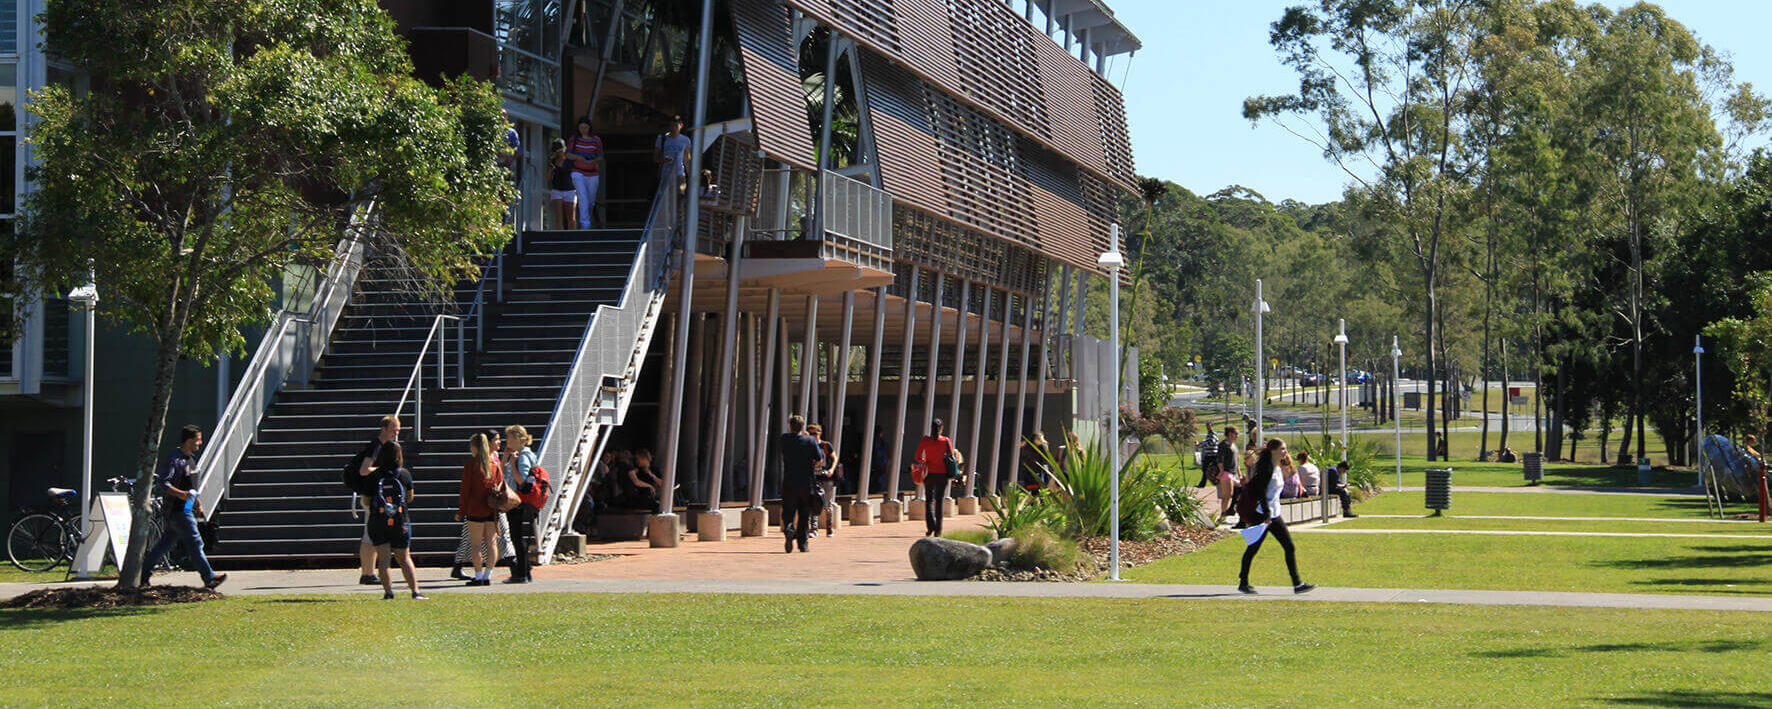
1228, 468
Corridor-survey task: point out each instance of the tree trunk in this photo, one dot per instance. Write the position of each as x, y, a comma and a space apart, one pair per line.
1559, 411
1506, 398
1428, 377
147, 456
1624, 443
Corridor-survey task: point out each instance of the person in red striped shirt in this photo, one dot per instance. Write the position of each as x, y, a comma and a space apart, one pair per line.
585, 152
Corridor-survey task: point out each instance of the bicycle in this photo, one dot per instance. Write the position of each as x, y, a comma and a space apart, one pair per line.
48, 535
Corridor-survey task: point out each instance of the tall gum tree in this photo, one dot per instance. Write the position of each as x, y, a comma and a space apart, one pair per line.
1381, 94
223, 141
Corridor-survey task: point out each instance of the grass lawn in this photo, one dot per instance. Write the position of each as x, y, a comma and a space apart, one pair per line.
1517, 563
1466, 444
757, 650
1556, 525
1469, 473
1540, 505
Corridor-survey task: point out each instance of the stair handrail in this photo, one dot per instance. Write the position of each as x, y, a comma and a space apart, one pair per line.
291, 346
609, 349
415, 380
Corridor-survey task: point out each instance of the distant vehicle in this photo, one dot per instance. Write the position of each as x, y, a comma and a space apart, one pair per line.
1310, 380
1356, 376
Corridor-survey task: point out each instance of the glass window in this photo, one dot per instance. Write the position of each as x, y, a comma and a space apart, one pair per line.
9, 29
8, 95
8, 171
55, 338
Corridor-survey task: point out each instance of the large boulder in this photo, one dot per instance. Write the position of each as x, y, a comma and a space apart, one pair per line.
1001, 549
938, 559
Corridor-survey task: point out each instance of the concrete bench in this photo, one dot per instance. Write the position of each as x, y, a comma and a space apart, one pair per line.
1306, 509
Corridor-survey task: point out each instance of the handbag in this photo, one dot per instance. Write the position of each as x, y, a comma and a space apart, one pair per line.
501, 498
919, 471
952, 461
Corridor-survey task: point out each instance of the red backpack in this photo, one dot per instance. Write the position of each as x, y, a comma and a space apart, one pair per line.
536, 494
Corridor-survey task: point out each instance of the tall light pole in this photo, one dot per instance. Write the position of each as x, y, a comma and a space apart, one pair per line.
87, 297
1341, 346
1698, 392
1396, 418
1260, 307
1112, 260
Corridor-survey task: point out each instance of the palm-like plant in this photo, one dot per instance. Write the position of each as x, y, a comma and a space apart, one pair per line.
1083, 499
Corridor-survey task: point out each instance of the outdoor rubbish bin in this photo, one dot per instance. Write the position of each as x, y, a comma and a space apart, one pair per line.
1645, 474
1439, 489
1534, 467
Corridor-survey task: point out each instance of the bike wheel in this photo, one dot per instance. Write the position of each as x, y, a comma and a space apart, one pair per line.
36, 543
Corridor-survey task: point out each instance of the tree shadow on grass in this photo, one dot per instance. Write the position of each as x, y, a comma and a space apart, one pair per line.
1732, 561
1700, 699
1680, 646
12, 619
1716, 586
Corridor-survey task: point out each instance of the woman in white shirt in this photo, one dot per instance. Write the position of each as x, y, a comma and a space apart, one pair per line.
1265, 480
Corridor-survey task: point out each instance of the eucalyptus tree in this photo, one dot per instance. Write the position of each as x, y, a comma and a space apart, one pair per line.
1381, 93
223, 141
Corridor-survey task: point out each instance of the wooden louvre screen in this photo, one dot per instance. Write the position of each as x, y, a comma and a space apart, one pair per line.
904, 136
938, 244
738, 173
772, 80
985, 54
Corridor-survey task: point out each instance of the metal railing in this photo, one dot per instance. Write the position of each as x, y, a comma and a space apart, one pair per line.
855, 210
415, 382
291, 348
599, 386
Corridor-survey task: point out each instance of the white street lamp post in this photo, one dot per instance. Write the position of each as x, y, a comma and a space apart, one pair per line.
1396, 418
1113, 260
1698, 391
1341, 345
1260, 307
87, 297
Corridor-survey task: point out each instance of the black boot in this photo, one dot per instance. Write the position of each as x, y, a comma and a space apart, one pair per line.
455, 573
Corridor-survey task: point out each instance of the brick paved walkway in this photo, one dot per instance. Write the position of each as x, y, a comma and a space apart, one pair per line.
877, 552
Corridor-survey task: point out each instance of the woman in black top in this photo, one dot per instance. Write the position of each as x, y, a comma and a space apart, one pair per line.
1264, 486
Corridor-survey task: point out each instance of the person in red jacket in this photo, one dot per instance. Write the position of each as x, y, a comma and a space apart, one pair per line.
932, 454
478, 476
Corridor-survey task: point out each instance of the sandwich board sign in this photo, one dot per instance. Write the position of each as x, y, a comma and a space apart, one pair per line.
110, 512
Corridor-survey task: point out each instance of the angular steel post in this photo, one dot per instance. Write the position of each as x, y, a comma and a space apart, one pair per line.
1021, 394
1002, 396
891, 509
984, 351
862, 512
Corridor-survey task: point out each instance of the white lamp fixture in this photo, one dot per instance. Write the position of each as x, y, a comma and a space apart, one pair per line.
1112, 261
87, 297
1396, 376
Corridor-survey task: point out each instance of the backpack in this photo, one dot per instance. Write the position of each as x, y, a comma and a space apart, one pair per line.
535, 492
390, 497
350, 477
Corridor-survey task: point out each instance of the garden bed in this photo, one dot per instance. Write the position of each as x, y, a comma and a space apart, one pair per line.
1132, 554
111, 597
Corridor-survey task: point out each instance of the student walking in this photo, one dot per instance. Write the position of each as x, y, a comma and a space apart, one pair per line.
389, 485
518, 464
935, 453
671, 150
180, 508
825, 476
800, 457
1267, 521
387, 430
479, 476
586, 154
562, 194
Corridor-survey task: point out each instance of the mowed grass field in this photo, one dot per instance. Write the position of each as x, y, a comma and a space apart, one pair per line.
690, 650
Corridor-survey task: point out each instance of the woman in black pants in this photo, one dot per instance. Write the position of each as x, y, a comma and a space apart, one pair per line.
1265, 483
932, 454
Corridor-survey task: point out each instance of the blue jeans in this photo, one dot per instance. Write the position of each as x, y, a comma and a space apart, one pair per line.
181, 528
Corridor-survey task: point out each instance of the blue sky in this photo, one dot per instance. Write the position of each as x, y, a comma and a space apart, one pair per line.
1201, 58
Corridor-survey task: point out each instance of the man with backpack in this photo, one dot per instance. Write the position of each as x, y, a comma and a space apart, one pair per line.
389, 488
180, 506
354, 476
800, 456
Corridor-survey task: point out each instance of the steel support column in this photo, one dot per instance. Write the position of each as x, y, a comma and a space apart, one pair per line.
930, 381
959, 359
1002, 396
661, 530
760, 453
862, 513
984, 351
809, 359
1046, 351
723, 409
1021, 393
840, 377
891, 510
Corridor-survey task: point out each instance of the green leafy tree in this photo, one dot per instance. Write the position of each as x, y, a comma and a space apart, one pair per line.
1745, 344
223, 141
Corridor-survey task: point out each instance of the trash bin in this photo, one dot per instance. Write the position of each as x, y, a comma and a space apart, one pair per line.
1439, 489
1645, 476
1534, 463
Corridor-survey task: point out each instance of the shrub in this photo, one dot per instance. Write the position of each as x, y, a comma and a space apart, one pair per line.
1084, 503
1037, 547
1363, 476
1018, 510
1177, 500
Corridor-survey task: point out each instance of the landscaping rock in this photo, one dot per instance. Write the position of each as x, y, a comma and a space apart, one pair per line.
1001, 549
938, 559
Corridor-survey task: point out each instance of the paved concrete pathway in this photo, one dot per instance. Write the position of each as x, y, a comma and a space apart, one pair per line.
342, 582
1545, 490
1572, 519
1525, 533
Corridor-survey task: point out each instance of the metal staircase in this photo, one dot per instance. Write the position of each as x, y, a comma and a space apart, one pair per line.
600, 385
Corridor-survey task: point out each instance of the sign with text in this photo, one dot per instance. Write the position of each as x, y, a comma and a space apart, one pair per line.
1513, 392
110, 511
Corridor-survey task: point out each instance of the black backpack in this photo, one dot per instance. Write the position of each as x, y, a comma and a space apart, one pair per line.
350, 476
390, 496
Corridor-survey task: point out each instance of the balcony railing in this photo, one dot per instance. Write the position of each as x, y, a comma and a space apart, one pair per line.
858, 221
